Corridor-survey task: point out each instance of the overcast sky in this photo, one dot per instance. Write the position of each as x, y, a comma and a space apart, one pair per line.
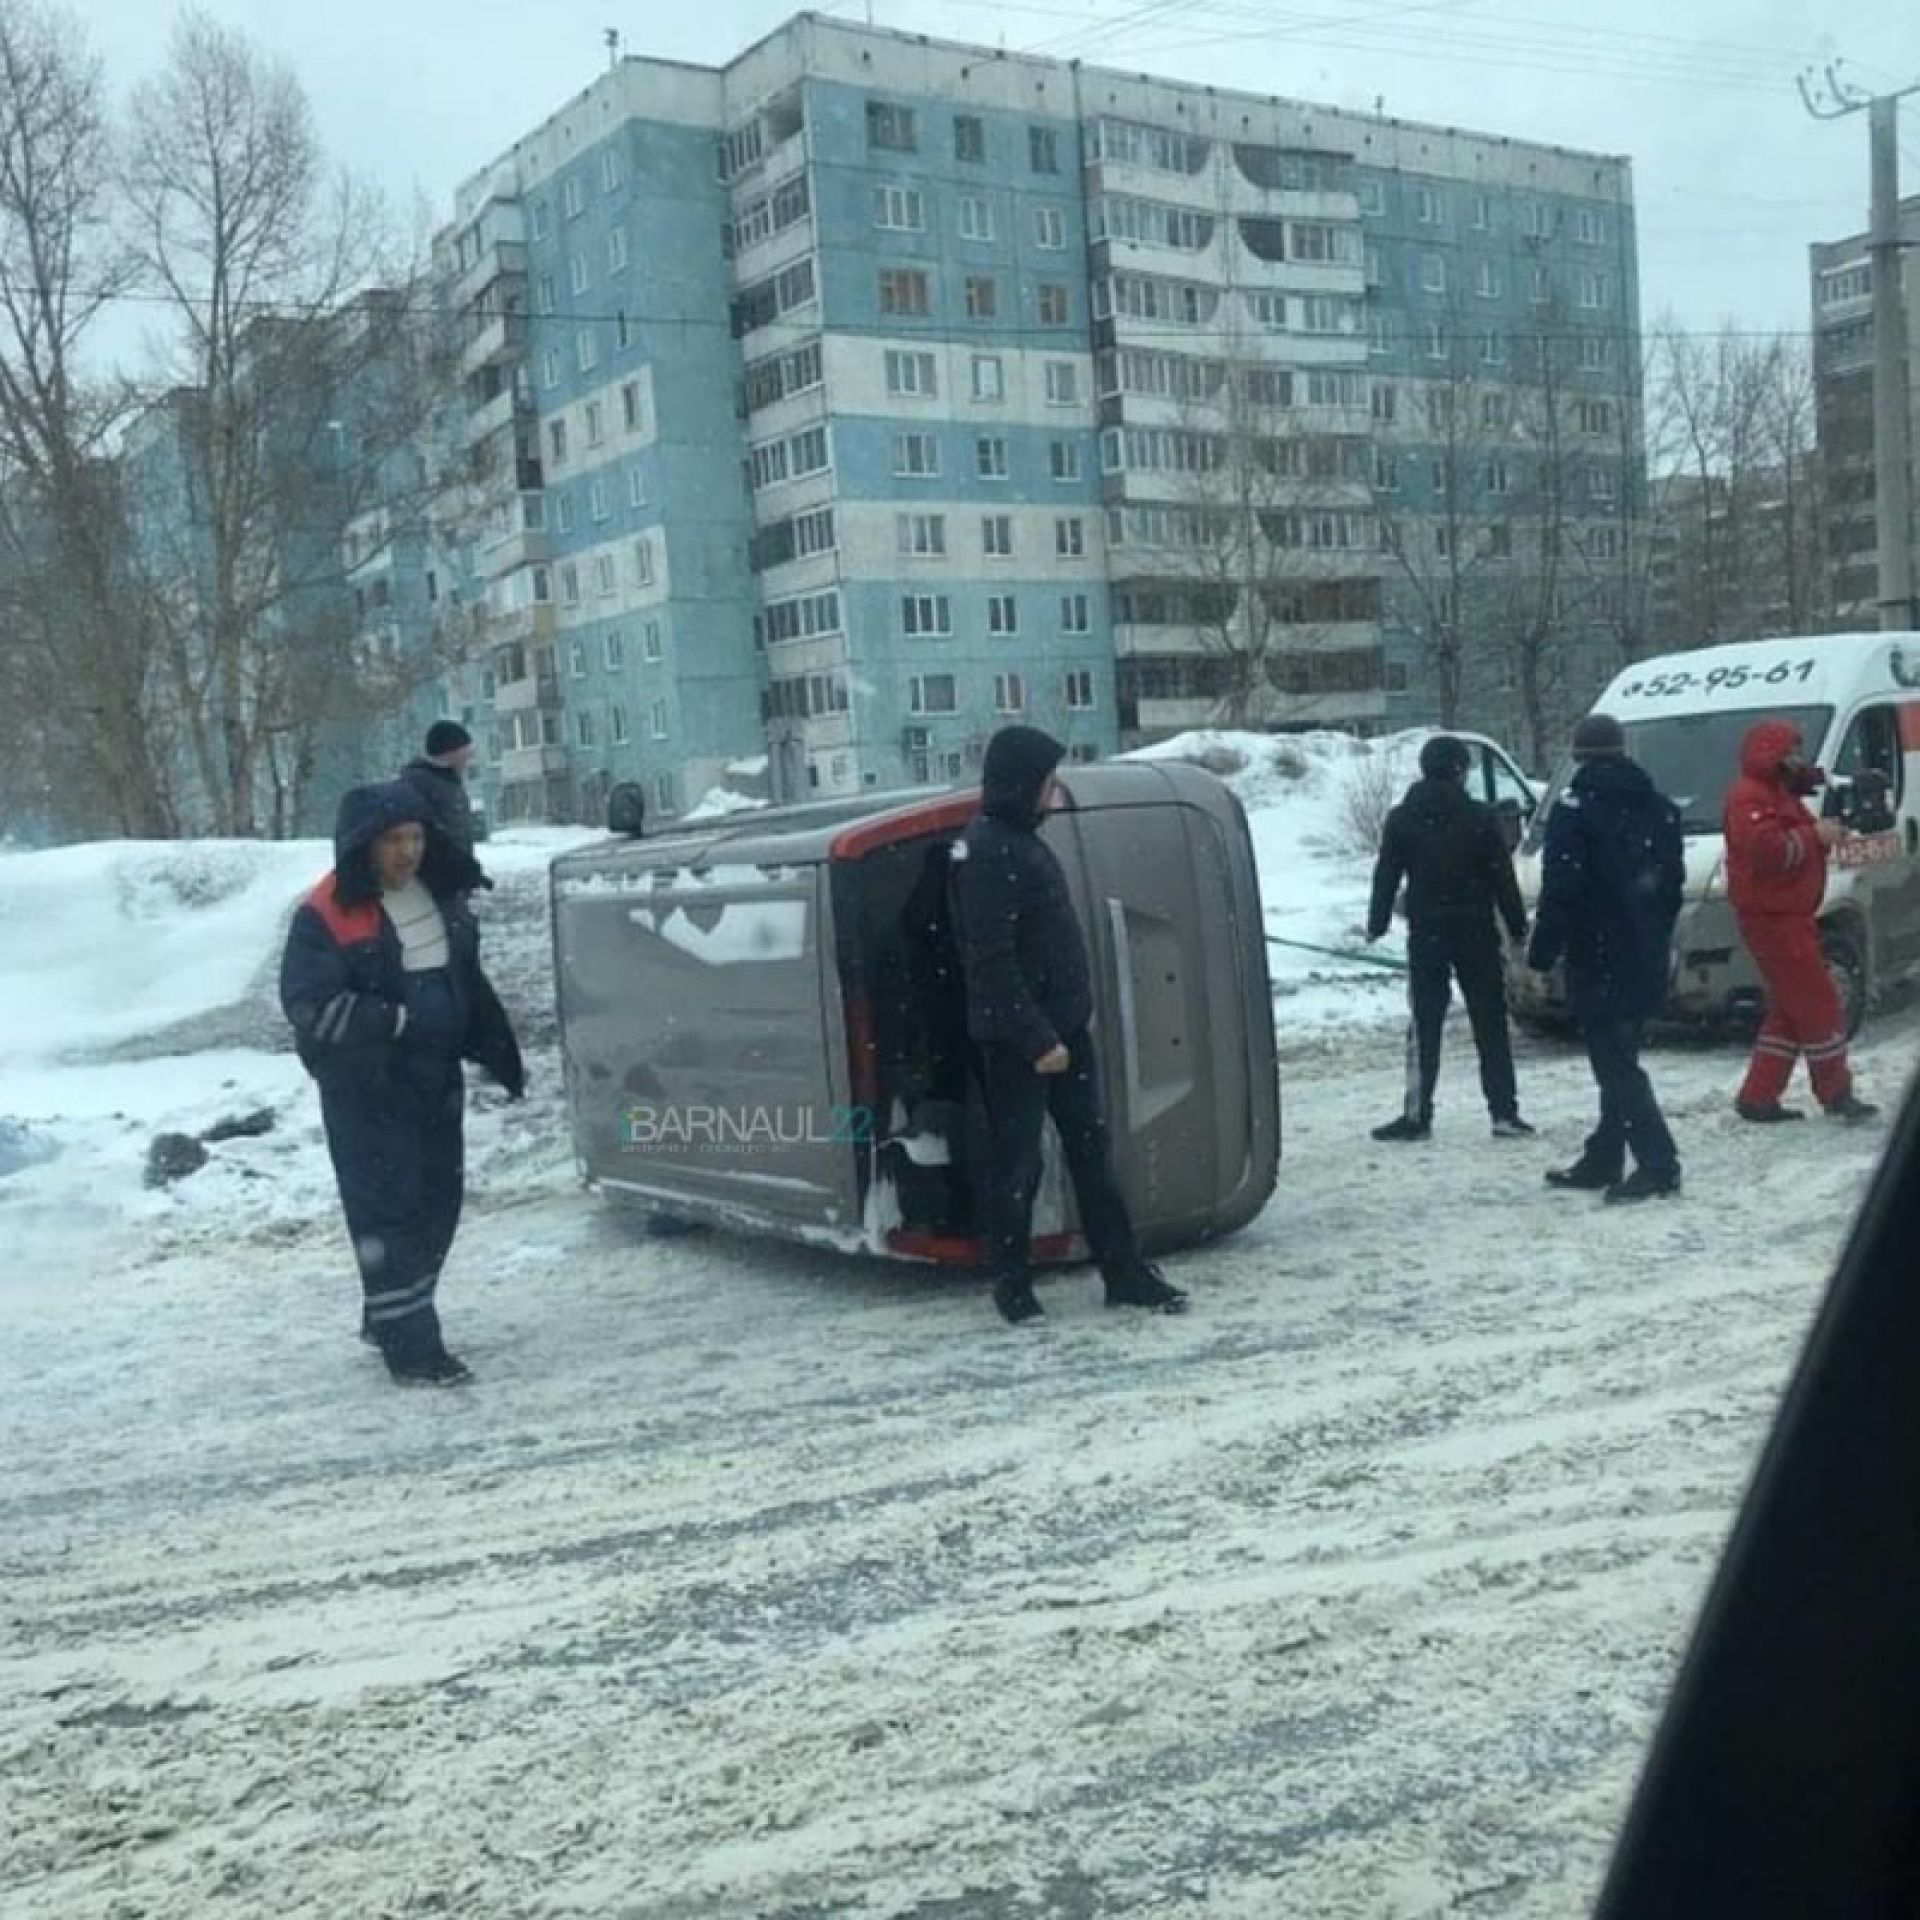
1732, 177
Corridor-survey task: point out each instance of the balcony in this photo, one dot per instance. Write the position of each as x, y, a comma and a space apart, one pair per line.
494, 417
532, 763
534, 692
504, 260
517, 539
497, 338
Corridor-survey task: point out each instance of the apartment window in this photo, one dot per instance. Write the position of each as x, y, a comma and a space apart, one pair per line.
904, 290
569, 584
1043, 150
1379, 334
1003, 613
1600, 486
924, 614
1063, 383
650, 649
1593, 353
1076, 614
557, 441
1375, 266
596, 420
1539, 286
618, 730
550, 367
1049, 229
665, 798
586, 350
542, 219
543, 300
1056, 306
1497, 476
610, 170
605, 576
916, 456
996, 536
976, 217
911, 376
1590, 227
1429, 208
1493, 349
1482, 213
1384, 401
583, 727
1493, 410
657, 716
1063, 459
1009, 693
617, 250
899, 209
969, 138
622, 331
597, 505
1436, 341
1373, 198
1593, 291
1538, 220
1080, 689
1593, 416
1386, 471
1486, 281
630, 414
636, 488
932, 693
574, 197
1433, 273
577, 659
642, 563
990, 458
563, 513
1070, 538
988, 383
578, 275
613, 652
983, 296
922, 535
891, 128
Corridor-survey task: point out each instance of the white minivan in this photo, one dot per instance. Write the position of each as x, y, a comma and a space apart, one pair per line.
1856, 700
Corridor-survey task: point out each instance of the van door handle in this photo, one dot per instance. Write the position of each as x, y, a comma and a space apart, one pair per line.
1123, 977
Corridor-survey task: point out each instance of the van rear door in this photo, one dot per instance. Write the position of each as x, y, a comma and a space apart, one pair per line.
1160, 859
695, 1008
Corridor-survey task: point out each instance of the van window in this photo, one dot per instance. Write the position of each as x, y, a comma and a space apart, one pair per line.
1695, 757
1872, 745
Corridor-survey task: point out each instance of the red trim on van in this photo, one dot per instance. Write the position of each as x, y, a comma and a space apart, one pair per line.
946, 814
957, 1250
1910, 726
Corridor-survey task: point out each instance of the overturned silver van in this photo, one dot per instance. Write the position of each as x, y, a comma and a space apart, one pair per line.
763, 1022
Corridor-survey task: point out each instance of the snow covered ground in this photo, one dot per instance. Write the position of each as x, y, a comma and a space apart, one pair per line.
751, 1581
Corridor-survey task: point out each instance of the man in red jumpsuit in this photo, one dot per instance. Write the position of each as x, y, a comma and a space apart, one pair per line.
1776, 878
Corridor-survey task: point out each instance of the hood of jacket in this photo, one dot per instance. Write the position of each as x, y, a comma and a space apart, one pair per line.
434, 768
1766, 746
365, 814
1018, 764
1436, 800
1613, 774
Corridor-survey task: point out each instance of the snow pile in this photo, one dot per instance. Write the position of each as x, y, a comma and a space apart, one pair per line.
1315, 803
718, 802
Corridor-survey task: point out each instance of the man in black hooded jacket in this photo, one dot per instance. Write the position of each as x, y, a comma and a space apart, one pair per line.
1029, 1007
1449, 850
382, 985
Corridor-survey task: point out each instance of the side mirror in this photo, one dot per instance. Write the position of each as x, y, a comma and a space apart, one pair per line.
1512, 823
627, 810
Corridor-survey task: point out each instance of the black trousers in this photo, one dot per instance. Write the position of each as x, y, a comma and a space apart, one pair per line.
399, 1156
1630, 1116
1436, 957
1018, 1102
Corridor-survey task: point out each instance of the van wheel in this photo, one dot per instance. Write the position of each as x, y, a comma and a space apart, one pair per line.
1847, 967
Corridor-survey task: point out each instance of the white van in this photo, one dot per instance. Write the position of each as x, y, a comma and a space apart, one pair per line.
1856, 700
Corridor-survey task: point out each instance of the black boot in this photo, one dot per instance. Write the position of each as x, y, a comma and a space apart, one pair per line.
1852, 1109
1013, 1295
1142, 1285
437, 1369
1645, 1183
1584, 1176
1405, 1128
1769, 1113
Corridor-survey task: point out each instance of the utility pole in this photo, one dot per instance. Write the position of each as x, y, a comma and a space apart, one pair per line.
1892, 459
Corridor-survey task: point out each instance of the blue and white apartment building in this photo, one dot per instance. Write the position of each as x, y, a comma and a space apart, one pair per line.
836, 407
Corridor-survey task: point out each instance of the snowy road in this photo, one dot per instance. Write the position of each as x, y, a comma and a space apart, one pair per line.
757, 1583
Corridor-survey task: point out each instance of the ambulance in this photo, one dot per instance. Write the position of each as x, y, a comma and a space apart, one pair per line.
1856, 699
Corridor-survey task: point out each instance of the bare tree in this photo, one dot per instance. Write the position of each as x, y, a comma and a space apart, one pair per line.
76, 658
302, 375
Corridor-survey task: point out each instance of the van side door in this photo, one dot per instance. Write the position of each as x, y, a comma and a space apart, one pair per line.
1883, 851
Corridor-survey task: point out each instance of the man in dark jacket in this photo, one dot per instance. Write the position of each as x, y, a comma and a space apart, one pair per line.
381, 981
439, 776
1777, 855
1449, 850
1611, 880
1029, 1007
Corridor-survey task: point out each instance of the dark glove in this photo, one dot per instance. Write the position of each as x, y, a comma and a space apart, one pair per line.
484, 883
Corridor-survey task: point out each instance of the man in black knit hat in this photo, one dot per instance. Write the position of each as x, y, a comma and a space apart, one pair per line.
1448, 849
1029, 1009
439, 777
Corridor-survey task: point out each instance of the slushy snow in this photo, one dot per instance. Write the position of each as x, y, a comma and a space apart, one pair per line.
751, 1580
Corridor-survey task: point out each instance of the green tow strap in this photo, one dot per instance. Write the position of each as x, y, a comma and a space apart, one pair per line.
1342, 953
